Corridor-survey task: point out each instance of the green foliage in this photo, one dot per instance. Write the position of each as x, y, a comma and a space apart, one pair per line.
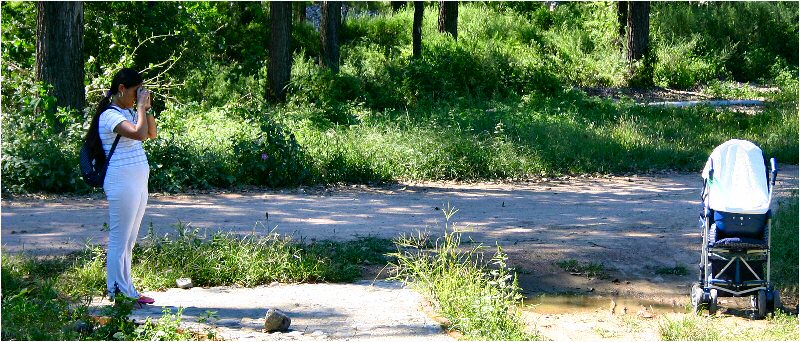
680, 65
589, 269
491, 105
679, 270
226, 259
747, 36
479, 299
785, 246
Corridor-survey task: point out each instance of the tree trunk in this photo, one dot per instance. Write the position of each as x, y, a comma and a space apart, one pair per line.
622, 19
397, 6
280, 53
59, 52
416, 32
448, 18
638, 30
329, 34
301, 12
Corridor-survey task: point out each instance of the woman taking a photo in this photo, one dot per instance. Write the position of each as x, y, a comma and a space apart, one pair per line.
128, 172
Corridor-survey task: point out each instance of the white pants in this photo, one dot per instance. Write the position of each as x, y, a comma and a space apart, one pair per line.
126, 190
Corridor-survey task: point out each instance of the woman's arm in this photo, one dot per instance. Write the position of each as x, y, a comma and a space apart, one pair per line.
152, 130
139, 131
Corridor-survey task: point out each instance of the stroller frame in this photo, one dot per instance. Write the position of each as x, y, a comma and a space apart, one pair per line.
764, 298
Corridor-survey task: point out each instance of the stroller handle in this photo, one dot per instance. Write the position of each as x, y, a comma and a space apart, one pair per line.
774, 166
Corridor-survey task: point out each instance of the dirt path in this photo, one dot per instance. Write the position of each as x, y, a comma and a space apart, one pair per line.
632, 225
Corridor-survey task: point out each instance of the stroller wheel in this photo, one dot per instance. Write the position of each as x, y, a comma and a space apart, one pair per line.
776, 301
761, 304
712, 303
697, 297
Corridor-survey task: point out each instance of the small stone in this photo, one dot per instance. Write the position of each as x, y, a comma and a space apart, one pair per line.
184, 283
274, 283
276, 320
317, 333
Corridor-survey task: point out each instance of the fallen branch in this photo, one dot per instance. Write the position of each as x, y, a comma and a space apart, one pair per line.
713, 103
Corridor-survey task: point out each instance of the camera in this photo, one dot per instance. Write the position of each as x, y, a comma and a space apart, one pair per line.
142, 90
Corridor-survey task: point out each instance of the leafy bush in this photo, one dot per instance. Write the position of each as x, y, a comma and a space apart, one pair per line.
734, 29
679, 65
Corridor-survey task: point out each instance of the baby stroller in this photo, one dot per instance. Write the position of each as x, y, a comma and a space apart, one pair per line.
735, 257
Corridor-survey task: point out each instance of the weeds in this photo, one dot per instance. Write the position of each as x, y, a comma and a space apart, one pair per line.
785, 246
479, 299
779, 327
679, 270
227, 259
589, 269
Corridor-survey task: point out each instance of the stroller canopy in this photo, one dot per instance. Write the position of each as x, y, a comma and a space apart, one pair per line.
739, 182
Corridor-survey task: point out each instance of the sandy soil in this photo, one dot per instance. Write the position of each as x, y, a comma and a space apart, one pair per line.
630, 224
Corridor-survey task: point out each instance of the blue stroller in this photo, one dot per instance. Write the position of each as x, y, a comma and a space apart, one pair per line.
735, 257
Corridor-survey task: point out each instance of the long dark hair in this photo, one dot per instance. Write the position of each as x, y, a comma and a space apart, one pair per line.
127, 77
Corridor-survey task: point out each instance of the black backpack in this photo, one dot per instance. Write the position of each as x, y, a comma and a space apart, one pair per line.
93, 170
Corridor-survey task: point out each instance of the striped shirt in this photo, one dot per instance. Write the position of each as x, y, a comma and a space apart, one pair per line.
128, 151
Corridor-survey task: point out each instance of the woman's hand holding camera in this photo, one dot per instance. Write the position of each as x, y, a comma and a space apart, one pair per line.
143, 97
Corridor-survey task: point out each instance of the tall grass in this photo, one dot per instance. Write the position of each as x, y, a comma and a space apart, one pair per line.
227, 259
479, 299
785, 246
779, 327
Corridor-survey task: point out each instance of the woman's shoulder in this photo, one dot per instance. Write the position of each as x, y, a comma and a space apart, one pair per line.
113, 111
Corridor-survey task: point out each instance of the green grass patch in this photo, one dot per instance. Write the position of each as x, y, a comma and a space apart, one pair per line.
679, 270
785, 246
258, 258
779, 327
589, 269
480, 299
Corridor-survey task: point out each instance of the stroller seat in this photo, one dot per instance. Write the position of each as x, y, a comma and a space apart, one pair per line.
738, 231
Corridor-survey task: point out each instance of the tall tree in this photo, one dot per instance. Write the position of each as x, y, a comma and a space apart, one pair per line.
416, 32
622, 19
59, 52
301, 11
329, 34
448, 18
280, 53
638, 30
397, 6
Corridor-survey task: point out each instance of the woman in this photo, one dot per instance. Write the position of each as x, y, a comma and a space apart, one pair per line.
128, 172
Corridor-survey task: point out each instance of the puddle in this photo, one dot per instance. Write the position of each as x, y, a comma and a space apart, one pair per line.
573, 304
